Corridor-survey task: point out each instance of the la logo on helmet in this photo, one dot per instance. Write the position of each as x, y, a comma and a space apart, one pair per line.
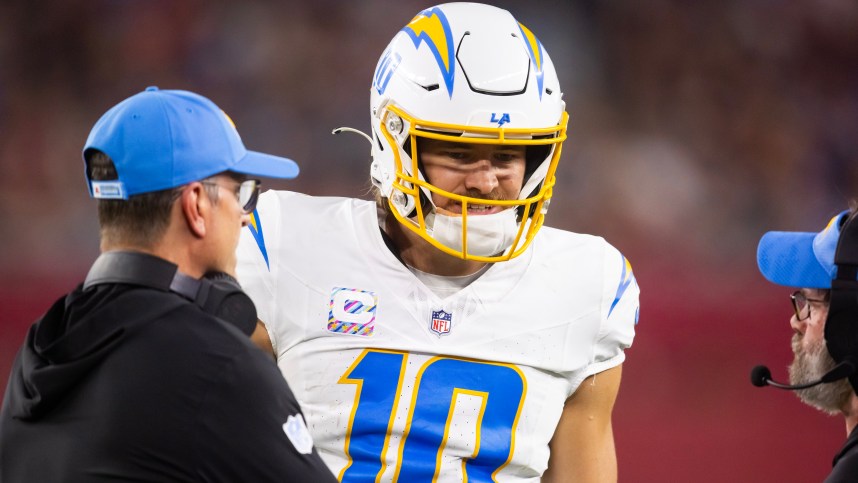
503, 119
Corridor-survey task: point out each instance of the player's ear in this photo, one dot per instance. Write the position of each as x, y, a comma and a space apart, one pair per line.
195, 207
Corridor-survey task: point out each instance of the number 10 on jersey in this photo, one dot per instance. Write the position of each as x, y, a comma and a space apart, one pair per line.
498, 389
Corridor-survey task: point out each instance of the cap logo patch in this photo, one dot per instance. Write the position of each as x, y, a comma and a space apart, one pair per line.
229, 119
108, 190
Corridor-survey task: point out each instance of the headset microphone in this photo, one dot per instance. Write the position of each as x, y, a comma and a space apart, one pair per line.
761, 376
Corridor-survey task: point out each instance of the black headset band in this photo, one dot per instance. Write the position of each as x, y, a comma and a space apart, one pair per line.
136, 268
217, 294
841, 325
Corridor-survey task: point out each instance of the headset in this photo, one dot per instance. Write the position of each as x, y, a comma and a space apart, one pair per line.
217, 293
841, 327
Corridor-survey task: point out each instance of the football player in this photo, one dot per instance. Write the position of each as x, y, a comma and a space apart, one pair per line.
441, 332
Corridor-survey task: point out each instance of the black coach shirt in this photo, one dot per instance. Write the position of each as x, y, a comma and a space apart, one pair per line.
130, 383
846, 462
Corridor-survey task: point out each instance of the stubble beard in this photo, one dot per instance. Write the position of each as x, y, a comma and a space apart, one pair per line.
811, 364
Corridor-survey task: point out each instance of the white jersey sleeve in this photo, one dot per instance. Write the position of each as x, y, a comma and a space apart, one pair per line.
620, 312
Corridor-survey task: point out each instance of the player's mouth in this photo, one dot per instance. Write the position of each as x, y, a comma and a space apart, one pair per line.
473, 209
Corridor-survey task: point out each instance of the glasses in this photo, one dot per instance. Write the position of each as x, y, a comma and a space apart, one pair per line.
801, 304
247, 193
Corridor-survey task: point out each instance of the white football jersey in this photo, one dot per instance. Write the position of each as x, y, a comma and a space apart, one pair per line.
399, 384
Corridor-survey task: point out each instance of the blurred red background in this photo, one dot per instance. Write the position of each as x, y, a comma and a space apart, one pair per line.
695, 127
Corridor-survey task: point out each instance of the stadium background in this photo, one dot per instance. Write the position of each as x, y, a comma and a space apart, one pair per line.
695, 127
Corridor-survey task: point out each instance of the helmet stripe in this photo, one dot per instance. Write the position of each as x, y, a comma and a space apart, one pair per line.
431, 26
534, 49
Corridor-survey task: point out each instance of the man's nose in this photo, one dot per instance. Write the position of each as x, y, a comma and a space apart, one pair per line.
482, 177
797, 325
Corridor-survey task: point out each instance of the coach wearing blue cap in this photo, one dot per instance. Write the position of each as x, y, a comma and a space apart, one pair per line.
825, 322
145, 372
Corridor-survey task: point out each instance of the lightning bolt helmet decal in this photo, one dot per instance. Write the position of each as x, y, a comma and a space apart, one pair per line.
534, 49
431, 26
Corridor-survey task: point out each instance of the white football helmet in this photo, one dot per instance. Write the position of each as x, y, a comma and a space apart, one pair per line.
466, 72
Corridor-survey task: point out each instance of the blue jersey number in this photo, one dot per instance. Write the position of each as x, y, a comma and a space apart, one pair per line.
378, 376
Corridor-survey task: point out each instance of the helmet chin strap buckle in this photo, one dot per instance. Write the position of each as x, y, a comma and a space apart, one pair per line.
353, 130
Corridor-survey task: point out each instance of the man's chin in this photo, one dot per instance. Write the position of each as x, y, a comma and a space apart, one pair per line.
829, 397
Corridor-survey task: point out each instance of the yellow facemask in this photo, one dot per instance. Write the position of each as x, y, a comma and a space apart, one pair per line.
422, 219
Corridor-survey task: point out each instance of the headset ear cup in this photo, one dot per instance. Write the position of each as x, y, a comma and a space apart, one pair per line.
841, 325
223, 297
238, 309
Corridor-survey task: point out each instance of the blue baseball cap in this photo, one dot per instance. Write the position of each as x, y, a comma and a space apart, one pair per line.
161, 139
799, 259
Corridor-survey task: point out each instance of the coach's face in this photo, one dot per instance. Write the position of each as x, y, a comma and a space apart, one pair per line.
808, 323
227, 220
812, 359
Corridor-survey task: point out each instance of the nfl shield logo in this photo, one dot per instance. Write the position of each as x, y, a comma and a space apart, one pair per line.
441, 322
